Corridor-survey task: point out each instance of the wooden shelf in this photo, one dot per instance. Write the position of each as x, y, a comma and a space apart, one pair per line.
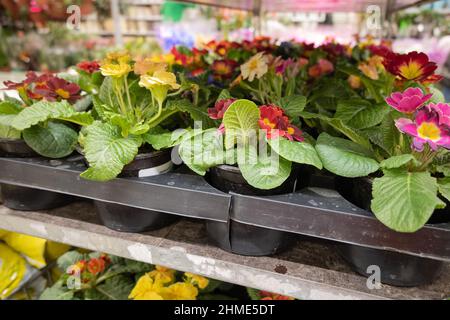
310, 270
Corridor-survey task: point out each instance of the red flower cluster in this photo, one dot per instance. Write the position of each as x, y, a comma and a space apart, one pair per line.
277, 124
89, 66
45, 86
92, 267
414, 66
220, 108
265, 295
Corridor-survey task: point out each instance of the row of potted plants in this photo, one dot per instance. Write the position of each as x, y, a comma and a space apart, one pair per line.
98, 276
254, 118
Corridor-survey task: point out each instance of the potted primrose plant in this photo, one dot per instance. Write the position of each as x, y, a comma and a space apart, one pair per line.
398, 168
128, 139
43, 122
252, 152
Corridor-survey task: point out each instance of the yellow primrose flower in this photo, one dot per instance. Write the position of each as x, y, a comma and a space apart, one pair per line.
162, 274
354, 81
257, 66
159, 78
180, 291
115, 70
146, 289
118, 57
147, 66
168, 58
195, 279
369, 70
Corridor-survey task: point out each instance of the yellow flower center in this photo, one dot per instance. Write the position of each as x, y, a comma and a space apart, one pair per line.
411, 70
290, 130
268, 123
63, 93
429, 131
253, 64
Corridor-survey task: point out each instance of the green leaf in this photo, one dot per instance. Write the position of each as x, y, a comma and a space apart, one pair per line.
55, 140
344, 157
438, 96
57, 292
8, 111
404, 201
444, 187
224, 94
360, 114
44, 110
293, 105
240, 121
204, 150
398, 161
241, 115
196, 113
107, 151
117, 288
300, 152
260, 171
7, 132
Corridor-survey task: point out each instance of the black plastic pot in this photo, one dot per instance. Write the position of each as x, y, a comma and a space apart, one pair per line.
240, 238
128, 219
397, 269
24, 198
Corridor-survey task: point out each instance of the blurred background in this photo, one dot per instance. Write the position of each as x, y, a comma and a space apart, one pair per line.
46, 35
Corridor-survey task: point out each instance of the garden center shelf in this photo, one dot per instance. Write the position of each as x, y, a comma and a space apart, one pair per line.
310, 270
314, 212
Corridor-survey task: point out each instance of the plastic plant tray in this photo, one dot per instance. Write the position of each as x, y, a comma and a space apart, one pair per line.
315, 212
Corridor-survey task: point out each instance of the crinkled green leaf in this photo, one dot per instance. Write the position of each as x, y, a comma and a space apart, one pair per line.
44, 110
240, 121
107, 151
117, 288
344, 157
54, 140
404, 201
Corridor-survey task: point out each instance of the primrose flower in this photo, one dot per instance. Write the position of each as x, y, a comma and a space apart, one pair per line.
78, 268
265, 295
146, 289
276, 123
408, 101
369, 70
257, 67
220, 108
428, 127
96, 266
147, 66
323, 66
354, 81
115, 70
413, 66
180, 291
162, 274
224, 68
200, 281
159, 84
57, 89
89, 66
